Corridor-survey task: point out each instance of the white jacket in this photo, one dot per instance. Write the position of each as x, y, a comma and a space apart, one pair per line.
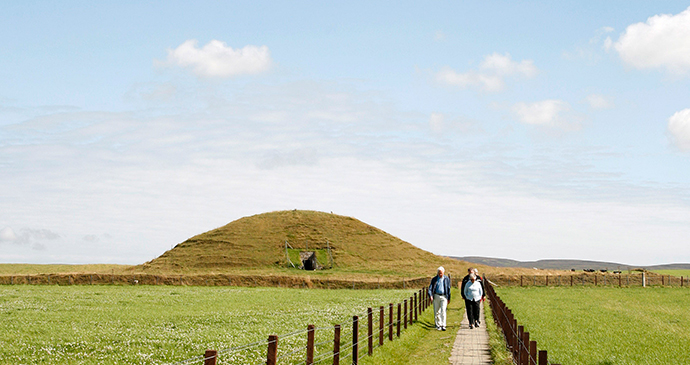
473, 291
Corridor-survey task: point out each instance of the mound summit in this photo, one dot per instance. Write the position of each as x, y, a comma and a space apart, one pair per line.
257, 243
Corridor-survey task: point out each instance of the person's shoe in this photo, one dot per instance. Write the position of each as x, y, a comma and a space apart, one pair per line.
471, 327
479, 322
476, 324
438, 328
443, 328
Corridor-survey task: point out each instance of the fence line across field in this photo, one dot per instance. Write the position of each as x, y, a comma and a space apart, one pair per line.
598, 279
418, 302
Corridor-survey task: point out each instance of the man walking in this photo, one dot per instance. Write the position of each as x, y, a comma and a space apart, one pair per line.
439, 292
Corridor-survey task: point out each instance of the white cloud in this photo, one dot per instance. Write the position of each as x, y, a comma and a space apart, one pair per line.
598, 101
490, 76
28, 236
661, 42
217, 59
679, 127
503, 65
548, 113
436, 122
7, 235
439, 36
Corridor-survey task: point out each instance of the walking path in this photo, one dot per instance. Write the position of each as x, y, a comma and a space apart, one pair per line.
471, 346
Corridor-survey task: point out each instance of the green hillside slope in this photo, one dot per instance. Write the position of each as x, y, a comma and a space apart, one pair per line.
257, 243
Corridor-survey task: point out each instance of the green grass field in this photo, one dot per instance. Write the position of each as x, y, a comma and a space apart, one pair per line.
605, 326
683, 273
155, 325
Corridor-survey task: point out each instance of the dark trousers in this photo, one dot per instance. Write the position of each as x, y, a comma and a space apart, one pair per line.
472, 308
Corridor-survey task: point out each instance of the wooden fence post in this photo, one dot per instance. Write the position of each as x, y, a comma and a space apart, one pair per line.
518, 347
525, 348
547, 280
409, 318
336, 345
543, 358
210, 357
516, 336
370, 331
272, 353
415, 307
355, 340
571, 280
398, 330
390, 321
532, 352
595, 279
405, 315
381, 314
310, 344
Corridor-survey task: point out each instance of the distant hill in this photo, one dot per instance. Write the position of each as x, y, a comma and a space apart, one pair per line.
566, 264
257, 244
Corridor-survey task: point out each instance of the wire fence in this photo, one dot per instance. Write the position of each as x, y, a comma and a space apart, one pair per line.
344, 343
602, 278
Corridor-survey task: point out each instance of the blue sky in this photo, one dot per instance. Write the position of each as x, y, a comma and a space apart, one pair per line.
525, 130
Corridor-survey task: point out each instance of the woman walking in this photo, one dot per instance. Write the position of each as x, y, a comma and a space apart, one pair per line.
473, 292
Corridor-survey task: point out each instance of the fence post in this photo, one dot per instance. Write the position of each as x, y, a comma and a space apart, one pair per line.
272, 353
595, 279
210, 357
370, 331
355, 339
520, 280
662, 281
547, 280
409, 318
381, 314
681, 281
336, 345
619, 281
415, 307
390, 321
525, 348
310, 344
533, 352
405, 315
543, 358
398, 330
516, 336
571, 280
518, 348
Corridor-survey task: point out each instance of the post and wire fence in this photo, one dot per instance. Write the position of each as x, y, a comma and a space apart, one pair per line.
344, 343
517, 340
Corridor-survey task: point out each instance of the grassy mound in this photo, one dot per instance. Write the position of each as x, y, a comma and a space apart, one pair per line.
257, 244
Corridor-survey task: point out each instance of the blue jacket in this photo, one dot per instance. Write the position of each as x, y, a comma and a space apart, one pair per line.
446, 286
